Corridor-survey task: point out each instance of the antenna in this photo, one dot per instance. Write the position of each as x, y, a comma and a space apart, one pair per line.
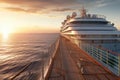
83, 12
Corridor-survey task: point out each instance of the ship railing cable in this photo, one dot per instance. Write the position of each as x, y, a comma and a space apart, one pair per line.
93, 16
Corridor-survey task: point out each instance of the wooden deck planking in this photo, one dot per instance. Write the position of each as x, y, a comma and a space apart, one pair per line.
65, 65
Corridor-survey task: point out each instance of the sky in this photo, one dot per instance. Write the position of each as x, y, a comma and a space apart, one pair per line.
45, 16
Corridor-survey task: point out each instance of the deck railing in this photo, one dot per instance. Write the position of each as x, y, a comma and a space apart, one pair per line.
48, 62
45, 64
106, 57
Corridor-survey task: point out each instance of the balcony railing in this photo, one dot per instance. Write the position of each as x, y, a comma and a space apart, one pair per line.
106, 57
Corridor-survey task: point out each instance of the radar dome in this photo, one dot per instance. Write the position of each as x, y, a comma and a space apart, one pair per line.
74, 14
68, 17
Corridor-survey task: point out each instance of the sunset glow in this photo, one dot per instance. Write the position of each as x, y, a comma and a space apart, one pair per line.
59, 39
46, 17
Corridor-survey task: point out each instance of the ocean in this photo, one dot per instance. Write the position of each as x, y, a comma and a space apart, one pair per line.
21, 55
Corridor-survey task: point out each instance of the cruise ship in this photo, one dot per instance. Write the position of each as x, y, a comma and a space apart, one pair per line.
96, 36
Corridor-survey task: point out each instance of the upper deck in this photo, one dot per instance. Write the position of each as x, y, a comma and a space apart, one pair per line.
85, 20
84, 17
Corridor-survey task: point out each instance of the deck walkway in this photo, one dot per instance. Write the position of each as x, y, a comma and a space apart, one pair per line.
71, 63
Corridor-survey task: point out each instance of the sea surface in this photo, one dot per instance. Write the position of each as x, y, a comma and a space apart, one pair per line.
21, 55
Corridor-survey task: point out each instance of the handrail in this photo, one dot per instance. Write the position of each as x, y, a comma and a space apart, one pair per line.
108, 58
45, 65
51, 51
111, 52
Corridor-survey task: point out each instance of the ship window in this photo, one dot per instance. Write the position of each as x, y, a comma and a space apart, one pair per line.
83, 35
101, 41
92, 41
89, 22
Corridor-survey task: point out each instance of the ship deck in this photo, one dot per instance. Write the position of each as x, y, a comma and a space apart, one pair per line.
72, 63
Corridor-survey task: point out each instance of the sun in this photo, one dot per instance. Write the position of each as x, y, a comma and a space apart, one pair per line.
5, 33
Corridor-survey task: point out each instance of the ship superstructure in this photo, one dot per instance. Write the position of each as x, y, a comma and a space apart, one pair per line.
95, 35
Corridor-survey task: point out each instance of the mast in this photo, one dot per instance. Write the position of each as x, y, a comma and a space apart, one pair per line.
83, 12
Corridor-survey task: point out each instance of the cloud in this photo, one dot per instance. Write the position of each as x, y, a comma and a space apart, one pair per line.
39, 3
62, 9
18, 9
37, 6
45, 6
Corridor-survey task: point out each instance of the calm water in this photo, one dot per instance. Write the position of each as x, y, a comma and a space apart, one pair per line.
20, 50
